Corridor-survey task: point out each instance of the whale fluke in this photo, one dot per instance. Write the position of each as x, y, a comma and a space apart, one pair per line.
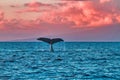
50, 41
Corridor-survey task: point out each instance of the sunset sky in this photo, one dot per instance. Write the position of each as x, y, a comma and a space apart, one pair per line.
73, 20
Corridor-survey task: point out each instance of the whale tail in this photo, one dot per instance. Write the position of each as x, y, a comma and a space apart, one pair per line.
51, 41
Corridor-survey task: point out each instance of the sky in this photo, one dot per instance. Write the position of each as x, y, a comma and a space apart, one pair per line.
72, 20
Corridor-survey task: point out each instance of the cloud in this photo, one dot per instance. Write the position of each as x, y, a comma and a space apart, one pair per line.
1, 15
30, 28
1, 20
28, 10
83, 14
35, 7
104, 1
118, 18
78, 14
15, 6
101, 1
37, 4
75, 0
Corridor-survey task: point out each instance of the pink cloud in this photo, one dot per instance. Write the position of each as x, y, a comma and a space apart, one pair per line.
35, 7
37, 4
1, 15
15, 6
118, 18
28, 10
104, 1
30, 28
82, 14
78, 13
1, 20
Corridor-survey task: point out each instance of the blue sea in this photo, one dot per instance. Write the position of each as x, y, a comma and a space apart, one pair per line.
70, 61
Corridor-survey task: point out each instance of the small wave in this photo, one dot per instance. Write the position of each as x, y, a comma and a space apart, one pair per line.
10, 50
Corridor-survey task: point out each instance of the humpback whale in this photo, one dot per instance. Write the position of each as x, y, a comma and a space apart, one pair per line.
50, 41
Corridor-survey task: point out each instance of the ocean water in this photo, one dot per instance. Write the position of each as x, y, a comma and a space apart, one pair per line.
70, 61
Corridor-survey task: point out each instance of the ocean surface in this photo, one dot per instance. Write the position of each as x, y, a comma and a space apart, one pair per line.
70, 61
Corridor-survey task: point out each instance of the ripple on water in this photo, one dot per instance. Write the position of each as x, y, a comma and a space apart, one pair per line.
80, 63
